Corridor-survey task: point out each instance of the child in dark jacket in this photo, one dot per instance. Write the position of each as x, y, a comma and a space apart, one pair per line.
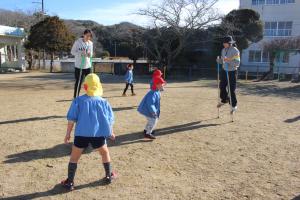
150, 107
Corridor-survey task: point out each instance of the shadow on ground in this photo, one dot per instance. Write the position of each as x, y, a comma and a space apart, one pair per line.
31, 119
292, 120
57, 151
296, 198
63, 150
138, 137
270, 89
56, 190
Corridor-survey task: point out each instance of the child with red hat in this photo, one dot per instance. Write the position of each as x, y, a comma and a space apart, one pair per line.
150, 107
156, 73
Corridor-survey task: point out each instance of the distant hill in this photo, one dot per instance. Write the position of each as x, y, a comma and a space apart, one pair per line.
26, 20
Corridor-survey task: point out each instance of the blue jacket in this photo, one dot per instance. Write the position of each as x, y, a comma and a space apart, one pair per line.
150, 105
129, 76
93, 116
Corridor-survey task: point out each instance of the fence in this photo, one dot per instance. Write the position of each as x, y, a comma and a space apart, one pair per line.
281, 72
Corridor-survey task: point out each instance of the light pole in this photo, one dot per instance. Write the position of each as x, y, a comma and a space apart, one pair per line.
42, 4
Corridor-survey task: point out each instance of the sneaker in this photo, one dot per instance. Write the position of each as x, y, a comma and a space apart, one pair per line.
233, 110
69, 185
150, 136
111, 178
220, 104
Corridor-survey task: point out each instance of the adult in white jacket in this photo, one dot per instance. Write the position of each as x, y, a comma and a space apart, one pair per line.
83, 51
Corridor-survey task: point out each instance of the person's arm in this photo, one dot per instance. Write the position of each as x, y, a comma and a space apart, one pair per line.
72, 117
151, 105
75, 50
91, 50
111, 119
69, 131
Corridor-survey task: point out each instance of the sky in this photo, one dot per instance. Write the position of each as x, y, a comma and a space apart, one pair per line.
102, 11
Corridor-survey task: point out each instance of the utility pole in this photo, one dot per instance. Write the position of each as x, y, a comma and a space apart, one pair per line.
42, 4
115, 49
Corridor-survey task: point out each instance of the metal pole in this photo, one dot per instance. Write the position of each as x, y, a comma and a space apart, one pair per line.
115, 49
229, 91
43, 7
218, 86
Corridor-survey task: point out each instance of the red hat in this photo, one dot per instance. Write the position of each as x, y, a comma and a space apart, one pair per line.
157, 80
157, 73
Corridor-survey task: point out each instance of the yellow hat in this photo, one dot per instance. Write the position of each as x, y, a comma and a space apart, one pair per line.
92, 85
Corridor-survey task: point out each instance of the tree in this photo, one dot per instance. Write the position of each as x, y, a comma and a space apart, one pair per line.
244, 25
277, 46
52, 35
173, 21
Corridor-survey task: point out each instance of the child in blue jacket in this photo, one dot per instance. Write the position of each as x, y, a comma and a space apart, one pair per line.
129, 80
94, 119
150, 107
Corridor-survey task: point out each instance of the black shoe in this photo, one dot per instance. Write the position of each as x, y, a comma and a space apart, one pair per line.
69, 185
150, 136
111, 178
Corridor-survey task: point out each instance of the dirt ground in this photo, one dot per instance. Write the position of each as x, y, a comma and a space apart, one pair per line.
195, 156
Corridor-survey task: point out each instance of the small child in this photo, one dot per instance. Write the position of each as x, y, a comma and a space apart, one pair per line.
150, 107
129, 80
94, 119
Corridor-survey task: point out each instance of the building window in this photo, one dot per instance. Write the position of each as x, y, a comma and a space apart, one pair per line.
258, 56
282, 29
258, 2
283, 58
271, 2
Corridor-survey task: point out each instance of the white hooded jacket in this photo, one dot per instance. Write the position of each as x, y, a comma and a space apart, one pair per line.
79, 48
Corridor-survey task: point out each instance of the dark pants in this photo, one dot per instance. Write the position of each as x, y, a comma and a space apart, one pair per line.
126, 88
223, 87
85, 72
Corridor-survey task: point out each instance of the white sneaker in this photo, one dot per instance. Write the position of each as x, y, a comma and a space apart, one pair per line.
220, 104
233, 109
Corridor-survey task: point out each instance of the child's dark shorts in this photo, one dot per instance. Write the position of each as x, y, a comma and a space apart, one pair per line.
83, 142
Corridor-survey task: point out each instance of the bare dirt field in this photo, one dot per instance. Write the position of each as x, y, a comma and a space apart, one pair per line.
195, 156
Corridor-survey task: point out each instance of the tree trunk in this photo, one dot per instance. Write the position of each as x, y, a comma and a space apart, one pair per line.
39, 57
44, 59
51, 63
269, 75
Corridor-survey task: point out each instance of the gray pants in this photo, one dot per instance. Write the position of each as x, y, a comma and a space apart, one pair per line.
151, 124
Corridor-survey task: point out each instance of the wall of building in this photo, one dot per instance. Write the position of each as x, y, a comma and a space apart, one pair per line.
272, 13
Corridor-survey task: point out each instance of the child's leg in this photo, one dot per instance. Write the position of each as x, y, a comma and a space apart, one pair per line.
151, 124
223, 87
132, 90
232, 78
104, 152
75, 155
126, 87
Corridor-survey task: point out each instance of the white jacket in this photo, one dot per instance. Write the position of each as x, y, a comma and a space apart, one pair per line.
78, 49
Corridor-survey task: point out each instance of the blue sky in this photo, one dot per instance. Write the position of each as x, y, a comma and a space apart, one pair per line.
103, 11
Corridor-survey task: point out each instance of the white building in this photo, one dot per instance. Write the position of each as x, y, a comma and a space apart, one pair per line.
11, 48
281, 19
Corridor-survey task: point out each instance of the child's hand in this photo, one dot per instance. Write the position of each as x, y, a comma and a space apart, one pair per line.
67, 138
113, 136
227, 59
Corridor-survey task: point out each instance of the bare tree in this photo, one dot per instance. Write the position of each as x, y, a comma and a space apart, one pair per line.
174, 21
279, 45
